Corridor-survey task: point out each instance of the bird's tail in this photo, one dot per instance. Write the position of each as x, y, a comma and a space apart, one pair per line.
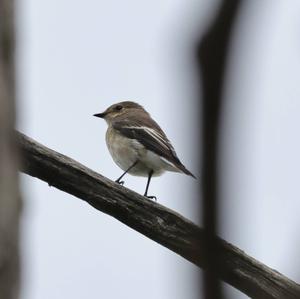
185, 170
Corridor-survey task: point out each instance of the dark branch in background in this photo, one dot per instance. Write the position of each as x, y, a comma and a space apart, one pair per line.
9, 192
212, 54
154, 221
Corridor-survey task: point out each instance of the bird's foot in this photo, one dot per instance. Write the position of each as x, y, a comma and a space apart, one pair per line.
120, 182
151, 197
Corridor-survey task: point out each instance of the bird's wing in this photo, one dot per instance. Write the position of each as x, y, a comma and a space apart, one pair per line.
152, 137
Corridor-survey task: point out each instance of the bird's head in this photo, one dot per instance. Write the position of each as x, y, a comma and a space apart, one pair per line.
118, 109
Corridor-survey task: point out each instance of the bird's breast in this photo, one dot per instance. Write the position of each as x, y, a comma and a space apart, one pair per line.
125, 152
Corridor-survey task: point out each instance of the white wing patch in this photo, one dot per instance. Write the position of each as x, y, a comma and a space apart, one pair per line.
162, 141
157, 136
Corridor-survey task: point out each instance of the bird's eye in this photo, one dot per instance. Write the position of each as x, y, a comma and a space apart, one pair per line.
119, 107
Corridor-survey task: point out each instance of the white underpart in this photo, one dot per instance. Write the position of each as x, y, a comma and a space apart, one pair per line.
126, 151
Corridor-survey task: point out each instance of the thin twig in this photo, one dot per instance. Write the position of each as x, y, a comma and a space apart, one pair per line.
212, 60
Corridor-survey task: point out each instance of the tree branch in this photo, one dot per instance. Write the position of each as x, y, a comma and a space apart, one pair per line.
153, 220
212, 53
10, 203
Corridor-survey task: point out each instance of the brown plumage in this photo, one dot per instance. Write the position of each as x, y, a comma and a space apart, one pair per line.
132, 126
137, 143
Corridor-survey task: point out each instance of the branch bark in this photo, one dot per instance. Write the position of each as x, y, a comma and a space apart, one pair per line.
9, 195
153, 220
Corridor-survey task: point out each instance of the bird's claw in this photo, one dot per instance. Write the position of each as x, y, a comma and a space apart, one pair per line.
120, 182
151, 197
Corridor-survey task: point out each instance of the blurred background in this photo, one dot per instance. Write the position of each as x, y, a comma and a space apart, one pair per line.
75, 58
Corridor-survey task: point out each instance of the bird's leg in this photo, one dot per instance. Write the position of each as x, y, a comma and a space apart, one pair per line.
119, 179
147, 186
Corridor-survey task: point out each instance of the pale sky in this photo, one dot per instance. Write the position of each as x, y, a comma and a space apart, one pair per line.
76, 58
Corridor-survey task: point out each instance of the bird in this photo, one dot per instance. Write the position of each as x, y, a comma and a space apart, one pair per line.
137, 143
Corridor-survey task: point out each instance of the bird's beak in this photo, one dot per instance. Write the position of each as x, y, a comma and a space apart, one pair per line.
101, 115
